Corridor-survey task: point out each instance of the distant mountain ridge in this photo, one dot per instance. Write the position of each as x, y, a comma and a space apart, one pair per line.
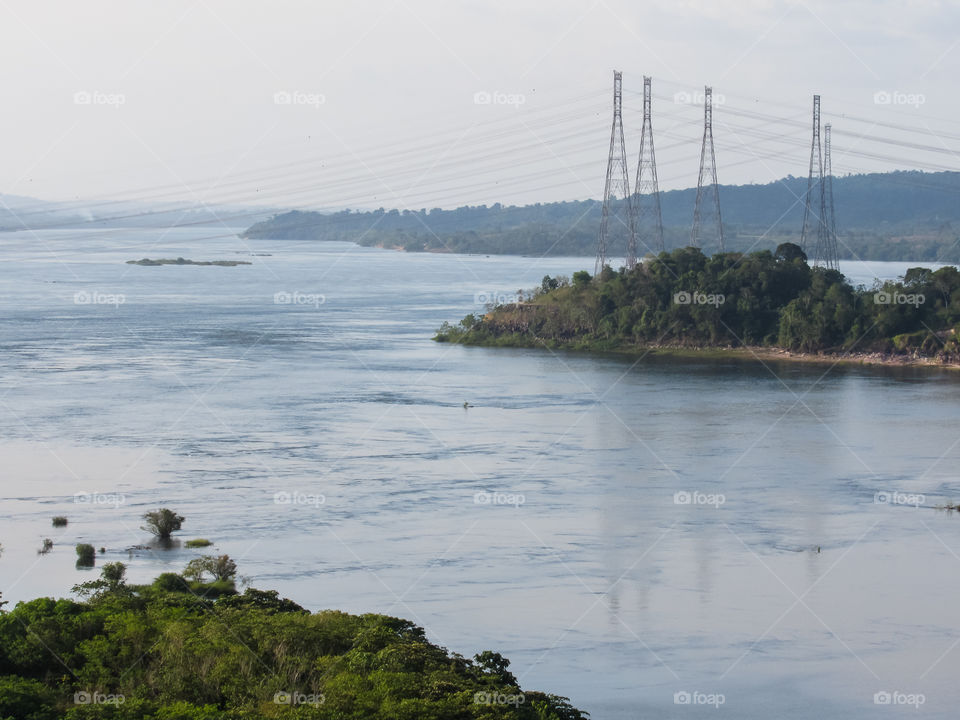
899, 215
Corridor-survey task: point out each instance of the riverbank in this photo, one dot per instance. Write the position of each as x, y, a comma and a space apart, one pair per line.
754, 353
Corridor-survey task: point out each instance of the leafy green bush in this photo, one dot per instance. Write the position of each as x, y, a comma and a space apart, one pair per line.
86, 555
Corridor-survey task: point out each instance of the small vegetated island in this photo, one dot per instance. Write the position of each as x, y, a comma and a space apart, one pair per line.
755, 304
190, 647
183, 261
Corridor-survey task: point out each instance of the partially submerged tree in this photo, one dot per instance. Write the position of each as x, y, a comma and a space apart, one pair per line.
162, 522
85, 555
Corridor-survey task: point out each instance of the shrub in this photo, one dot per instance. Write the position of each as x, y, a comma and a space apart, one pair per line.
198, 542
59, 521
171, 582
218, 567
162, 522
85, 555
213, 590
266, 600
114, 573
111, 580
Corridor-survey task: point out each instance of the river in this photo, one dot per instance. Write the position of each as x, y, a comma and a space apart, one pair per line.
759, 539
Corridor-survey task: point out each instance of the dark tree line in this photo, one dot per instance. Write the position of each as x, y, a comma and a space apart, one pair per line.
888, 216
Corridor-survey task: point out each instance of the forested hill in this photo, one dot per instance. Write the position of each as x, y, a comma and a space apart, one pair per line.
907, 215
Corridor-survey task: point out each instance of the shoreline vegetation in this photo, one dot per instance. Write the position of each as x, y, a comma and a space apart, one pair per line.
762, 306
752, 353
180, 648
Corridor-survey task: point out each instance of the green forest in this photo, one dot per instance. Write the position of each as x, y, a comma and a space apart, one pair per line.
906, 215
190, 647
728, 300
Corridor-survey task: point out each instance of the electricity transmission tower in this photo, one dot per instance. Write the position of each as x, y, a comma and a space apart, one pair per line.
817, 240
832, 259
617, 217
648, 222
707, 221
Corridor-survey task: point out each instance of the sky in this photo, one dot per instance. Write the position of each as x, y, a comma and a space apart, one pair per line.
410, 103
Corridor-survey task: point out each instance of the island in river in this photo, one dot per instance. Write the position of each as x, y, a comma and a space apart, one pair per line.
184, 261
761, 304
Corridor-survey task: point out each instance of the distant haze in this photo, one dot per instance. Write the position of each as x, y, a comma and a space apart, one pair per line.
421, 104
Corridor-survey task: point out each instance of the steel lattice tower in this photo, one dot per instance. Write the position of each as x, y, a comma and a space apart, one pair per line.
648, 222
617, 185
831, 258
709, 225
813, 200
819, 239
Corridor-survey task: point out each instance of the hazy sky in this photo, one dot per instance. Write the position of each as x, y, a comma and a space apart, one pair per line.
386, 103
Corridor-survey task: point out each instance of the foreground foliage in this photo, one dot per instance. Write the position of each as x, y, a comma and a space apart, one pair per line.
772, 299
167, 652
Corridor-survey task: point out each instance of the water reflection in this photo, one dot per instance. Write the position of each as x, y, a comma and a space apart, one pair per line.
209, 398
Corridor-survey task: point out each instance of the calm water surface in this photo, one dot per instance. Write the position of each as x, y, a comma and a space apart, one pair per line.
548, 521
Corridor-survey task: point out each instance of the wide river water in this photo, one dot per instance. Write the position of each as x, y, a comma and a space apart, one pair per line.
757, 538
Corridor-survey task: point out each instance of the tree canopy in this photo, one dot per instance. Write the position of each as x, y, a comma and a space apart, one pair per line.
767, 299
165, 652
